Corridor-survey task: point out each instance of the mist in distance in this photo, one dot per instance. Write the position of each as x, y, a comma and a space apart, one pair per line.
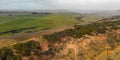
59, 5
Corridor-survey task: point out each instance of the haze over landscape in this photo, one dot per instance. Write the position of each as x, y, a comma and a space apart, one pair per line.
59, 5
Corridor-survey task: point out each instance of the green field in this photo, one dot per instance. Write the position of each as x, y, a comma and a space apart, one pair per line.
31, 23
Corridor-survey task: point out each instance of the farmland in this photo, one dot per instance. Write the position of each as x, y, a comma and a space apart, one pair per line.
18, 24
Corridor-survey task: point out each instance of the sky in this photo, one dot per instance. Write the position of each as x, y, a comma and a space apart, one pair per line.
59, 4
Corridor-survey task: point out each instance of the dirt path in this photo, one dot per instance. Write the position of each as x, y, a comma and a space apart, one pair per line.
40, 33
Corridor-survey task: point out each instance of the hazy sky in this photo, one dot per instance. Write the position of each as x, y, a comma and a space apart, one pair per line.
59, 4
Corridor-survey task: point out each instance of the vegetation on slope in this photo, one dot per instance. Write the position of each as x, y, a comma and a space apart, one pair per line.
21, 49
28, 49
81, 30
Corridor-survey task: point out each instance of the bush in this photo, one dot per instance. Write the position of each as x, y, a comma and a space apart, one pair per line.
81, 30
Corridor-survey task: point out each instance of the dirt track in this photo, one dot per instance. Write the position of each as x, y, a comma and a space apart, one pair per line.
39, 33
